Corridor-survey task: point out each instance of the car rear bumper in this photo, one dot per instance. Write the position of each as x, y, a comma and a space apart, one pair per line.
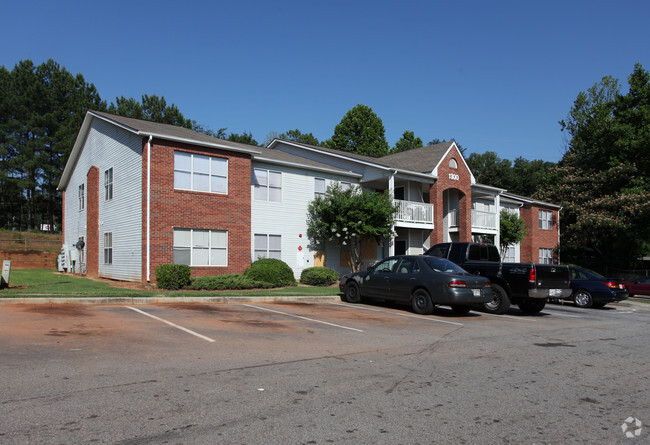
550, 293
602, 297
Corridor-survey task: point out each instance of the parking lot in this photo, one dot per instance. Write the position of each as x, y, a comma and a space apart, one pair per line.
326, 372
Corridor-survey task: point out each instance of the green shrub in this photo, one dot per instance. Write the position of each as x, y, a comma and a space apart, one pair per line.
172, 276
227, 281
273, 271
319, 276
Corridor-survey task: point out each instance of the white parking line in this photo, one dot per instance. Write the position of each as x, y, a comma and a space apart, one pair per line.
509, 316
304, 318
189, 331
563, 315
421, 317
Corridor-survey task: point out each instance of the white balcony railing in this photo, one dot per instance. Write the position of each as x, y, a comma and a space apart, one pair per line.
484, 220
414, 212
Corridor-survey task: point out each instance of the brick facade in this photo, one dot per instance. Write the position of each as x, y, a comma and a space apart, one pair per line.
538, 238
92, 222
449, 178
172, 208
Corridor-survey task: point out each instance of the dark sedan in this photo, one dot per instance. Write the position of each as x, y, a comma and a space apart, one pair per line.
422, 281
590, 289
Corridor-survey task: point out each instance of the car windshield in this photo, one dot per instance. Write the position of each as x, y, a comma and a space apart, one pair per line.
443, 265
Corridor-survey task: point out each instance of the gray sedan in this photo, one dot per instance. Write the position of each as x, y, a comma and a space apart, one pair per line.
421, 281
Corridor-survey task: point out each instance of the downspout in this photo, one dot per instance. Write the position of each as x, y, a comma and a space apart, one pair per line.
558, 235
391, 190
149, 209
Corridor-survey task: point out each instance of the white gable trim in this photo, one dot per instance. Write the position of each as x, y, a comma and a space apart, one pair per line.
462, 158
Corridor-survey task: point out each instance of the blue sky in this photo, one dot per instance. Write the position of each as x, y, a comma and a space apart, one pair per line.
495, 76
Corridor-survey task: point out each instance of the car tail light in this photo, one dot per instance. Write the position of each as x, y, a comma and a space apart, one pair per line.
532, 276
488, 284
457, 283
612, 284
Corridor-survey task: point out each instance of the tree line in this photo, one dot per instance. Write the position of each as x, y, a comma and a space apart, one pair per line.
601, 181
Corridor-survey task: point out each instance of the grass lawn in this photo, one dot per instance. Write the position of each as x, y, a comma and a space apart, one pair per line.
47, 283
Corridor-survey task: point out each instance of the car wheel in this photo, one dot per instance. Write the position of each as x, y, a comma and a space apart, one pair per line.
421, 302
460, 309
599, 305
583, 298
531, 305
352, 293
500, 302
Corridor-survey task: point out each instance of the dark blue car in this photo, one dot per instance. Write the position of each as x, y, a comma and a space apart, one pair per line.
590, 289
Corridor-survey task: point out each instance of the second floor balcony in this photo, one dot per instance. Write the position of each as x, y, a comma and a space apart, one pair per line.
484, 220
413, 214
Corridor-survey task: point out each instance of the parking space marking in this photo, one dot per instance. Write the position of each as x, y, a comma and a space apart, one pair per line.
524, 318
304, 318
421, 317
189, 331
564, 315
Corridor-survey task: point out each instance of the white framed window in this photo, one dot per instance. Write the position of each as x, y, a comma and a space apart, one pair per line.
319, 187
267, 184
545, 255
509, 257
82, 198
108, 248
198, 247
453, 163
345, 185
545, 219
200, 173
267, 246
108, 184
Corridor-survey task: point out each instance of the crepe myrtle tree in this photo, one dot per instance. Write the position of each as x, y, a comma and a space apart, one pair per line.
346, 217
513, 230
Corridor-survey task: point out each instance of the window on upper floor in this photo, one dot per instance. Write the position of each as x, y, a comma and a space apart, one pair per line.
545, 255
82, 198
267, 246
509, 256
108, 248
345, 185
319, 187
198, 247
108, 184
453, 163
200, 173
267, 185
545, 219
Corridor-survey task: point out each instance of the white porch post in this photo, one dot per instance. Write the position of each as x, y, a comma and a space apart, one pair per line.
391, 190
497, 237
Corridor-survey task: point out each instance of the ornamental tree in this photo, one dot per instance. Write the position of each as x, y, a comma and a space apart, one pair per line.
346, 217
513, 230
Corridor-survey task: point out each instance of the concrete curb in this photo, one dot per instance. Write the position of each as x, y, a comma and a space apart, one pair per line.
167, 300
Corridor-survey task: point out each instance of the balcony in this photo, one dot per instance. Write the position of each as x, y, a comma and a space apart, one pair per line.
484, 220
413, 214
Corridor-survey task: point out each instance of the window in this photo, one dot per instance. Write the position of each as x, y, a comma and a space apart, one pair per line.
108, 184
267, 246
268, 185
195, 247
509, 257
545, 219
319, 187
81, 197
108, 248
545, 255
345, 185
453, 163
200, 173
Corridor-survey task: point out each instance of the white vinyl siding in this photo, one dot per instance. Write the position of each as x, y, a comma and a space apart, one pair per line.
267, 185
195, 247
200, 173
545, 220
267, 246
545, 255
107, 147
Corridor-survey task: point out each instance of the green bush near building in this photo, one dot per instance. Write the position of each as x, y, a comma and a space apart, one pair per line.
269, 270
319, 276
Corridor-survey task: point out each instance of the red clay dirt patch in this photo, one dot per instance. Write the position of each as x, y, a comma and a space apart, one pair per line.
57, 310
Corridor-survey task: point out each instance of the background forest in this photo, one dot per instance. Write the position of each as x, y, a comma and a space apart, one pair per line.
601, 181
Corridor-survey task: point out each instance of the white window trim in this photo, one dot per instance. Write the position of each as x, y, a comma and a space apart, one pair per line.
268, 249
210, 247
545, 219
266, 186
108, 247
316, 192
108, 184
545, 255
82, 197
210, 175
